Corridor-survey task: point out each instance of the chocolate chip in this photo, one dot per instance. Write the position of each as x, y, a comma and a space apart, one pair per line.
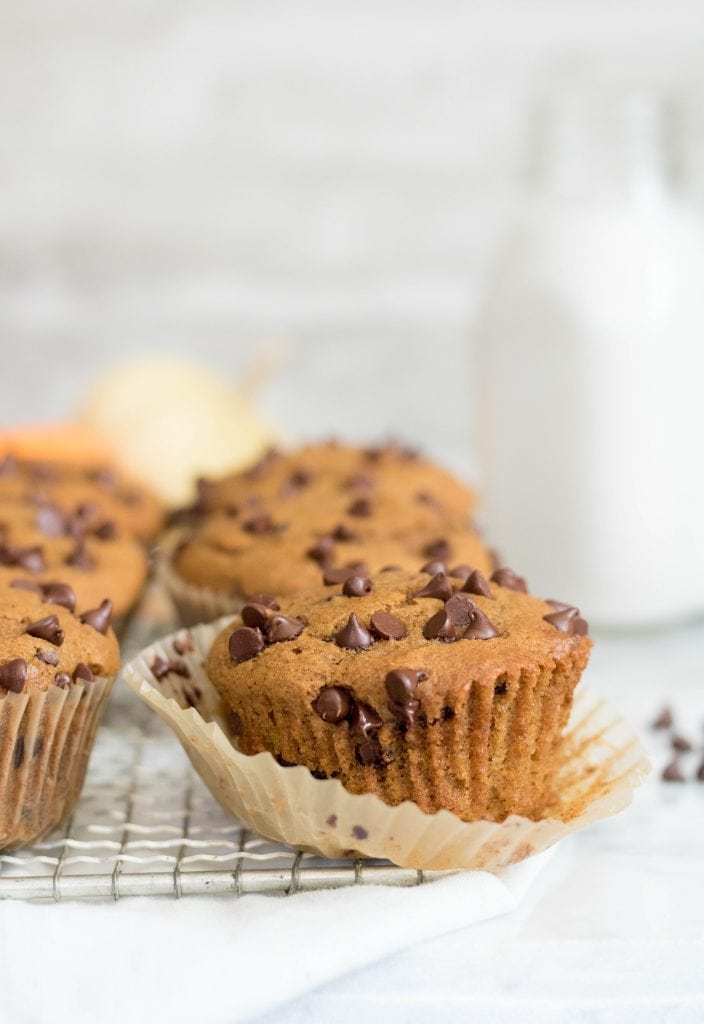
266, 599
353, 636
672, 773
567, 620
260, 524
360, 568
48, 657
360, 508
460, 572
390, 568
61, 594
664, 720
359, 833
368, 751
501, 688
159, 668
322, 551
99, 618
333, 704
439, 587
460, 608
30, 559
81, 671
62, 679
80, 557
51, 521
434, 567
681, 743
364, 720
401, 685
282, 628
440, 627
357, 586
106, 531
245, 643
256, 615
13, 675
343, 532
48, 628
480, 628
476, 583
333, 575
439, 549
386, 626
507, 578
299, 479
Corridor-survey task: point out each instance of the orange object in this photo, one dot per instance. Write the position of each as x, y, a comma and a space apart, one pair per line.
59, 442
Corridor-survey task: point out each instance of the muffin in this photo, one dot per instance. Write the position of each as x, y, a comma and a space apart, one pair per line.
57, 662
44, 542
100, 493
447, 691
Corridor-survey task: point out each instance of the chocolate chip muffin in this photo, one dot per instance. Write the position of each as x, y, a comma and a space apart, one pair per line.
41, 542
101, 496
57, 662
450, 691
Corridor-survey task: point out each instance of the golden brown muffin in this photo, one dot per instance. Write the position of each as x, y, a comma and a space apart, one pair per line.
449, 692
42, 543
100, 493
57, 662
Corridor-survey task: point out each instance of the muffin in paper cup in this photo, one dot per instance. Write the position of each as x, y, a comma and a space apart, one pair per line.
601, 761
57, 666
193, 603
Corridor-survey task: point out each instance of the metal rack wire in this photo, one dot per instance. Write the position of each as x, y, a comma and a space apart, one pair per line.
147, 826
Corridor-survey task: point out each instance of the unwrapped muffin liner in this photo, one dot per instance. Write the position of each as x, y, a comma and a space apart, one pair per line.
602, 763
193, 604
46, 737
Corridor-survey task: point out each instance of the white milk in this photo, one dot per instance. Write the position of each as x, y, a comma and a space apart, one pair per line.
590, 359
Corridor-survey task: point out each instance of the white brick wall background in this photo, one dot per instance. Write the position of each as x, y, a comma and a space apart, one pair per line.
210, 176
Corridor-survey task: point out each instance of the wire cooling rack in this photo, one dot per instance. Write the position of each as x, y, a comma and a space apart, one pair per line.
147, 826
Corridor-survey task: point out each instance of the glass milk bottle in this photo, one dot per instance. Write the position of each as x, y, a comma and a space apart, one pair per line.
589, 354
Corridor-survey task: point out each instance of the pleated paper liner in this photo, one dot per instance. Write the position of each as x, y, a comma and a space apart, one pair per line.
603, 762
46, 738
193, 604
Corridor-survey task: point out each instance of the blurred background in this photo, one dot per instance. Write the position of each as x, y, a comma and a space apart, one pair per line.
320, 195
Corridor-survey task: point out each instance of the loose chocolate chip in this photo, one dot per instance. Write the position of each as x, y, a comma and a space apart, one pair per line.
50, 521
361, 508
672, 773
260, 524
507, 578
386, 626
664, 720
332, 575
343, 532
61, 594
460, 608
476, 583
13, 675
62, 679
48, 628
440, 627
22, 584
480, 628
567, 620
80, 557
354, 636
333, 704
99, 618
266, 599
681, 743
245, 643
364, 720
357, 586
48, 657
461, 571
282, 628
322, 551
439, 587
81, 671
256, 615
434, 567
18, 756
439, 549
106, 531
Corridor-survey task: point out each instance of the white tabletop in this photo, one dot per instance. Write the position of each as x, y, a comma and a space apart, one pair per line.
613, 929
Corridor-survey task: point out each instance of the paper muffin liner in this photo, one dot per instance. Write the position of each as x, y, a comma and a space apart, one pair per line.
602, 763
193, 604
46, 738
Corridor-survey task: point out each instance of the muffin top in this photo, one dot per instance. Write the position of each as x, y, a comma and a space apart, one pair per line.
394, 647
39, 541
100, 495
46, 639
332, 478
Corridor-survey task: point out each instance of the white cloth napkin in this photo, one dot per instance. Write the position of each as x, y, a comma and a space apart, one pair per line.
217, 960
